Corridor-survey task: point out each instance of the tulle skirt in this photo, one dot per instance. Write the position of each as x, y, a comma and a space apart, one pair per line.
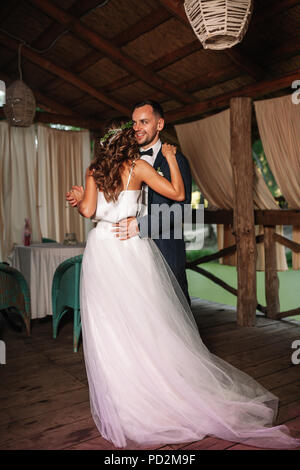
151, 379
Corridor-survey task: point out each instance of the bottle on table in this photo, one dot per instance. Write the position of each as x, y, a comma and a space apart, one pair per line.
27, 233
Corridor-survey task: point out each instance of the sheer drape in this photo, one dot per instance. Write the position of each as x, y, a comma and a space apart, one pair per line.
37, 167
18, 163
63, 157
279, 127
206, 144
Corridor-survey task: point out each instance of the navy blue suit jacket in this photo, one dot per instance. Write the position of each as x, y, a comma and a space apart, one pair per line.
173, 249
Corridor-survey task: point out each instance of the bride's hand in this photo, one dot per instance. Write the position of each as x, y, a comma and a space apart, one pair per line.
168, 150
75, 195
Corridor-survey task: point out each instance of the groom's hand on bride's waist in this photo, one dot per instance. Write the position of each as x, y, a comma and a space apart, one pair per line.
126, 228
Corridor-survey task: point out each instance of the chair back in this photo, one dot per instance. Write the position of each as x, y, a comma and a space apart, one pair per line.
14, 292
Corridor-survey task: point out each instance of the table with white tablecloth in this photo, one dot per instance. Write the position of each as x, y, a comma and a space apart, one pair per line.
38, 263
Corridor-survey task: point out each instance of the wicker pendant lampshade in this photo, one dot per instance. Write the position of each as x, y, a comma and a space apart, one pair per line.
20, 104
219, 24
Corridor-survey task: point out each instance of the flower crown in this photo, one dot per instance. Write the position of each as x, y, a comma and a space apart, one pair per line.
113, 132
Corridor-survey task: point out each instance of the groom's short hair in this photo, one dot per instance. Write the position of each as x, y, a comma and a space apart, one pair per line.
157, 109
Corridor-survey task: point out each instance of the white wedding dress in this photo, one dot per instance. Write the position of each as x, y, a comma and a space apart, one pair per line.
151, 379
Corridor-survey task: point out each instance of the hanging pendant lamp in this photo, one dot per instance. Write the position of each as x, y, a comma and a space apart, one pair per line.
20, 102
219, 24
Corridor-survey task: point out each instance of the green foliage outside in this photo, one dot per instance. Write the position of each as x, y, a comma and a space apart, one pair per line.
263, 167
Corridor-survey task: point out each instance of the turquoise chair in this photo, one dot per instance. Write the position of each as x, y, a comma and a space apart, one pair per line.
14, 292
65, 295
48, 240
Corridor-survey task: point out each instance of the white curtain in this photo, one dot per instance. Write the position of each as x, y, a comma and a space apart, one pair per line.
18, 163
63, 157
37, 167
279, 127
206, 144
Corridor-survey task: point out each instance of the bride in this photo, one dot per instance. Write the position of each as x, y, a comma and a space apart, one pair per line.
151, 379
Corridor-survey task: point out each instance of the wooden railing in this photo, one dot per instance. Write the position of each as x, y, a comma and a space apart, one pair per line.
269, 219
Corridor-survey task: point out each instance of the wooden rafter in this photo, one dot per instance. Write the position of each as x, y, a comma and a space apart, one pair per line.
216, 77
263, 12
152, 20
45, 102
155, 18
255, 90
157, 65
78, 121
78, 9
65, 74
196, 84
111, 51
50, 34
287, 49
261, 217
7, 9
266, 12
202, 82
56, 113
239, 57
193, 85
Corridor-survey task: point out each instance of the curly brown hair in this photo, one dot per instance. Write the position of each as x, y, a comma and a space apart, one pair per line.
109, 160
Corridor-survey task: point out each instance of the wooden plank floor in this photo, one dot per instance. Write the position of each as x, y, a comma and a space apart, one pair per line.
44, 392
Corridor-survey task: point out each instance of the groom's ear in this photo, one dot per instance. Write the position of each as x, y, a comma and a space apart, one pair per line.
160, 124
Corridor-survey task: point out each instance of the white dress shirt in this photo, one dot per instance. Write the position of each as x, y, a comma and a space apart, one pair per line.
150, 159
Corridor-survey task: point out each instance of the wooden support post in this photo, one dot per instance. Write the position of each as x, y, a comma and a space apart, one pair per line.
271, 277
244, 230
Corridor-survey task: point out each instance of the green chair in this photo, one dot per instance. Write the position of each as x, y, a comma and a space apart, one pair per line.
65, 295
14, 292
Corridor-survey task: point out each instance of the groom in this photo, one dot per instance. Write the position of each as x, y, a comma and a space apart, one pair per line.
148, 121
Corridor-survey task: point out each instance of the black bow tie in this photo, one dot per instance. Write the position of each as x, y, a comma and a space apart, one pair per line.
146, 152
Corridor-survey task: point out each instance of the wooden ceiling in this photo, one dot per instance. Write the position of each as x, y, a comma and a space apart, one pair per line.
92, 60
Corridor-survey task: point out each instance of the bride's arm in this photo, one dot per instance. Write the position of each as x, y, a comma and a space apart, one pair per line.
88, 204
173, 189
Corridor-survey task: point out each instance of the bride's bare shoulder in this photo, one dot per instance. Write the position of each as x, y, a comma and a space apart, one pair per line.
141, 165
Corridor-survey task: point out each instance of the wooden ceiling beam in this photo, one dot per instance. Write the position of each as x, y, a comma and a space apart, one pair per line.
222, 101
111, 51
154, 19
155, 66
210, 79
78, 9
265, 13
45, 102
236, 55
64, 74
77, 121
151, 21
201, 82
7, 9
194, 46
197, 83
286, 50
